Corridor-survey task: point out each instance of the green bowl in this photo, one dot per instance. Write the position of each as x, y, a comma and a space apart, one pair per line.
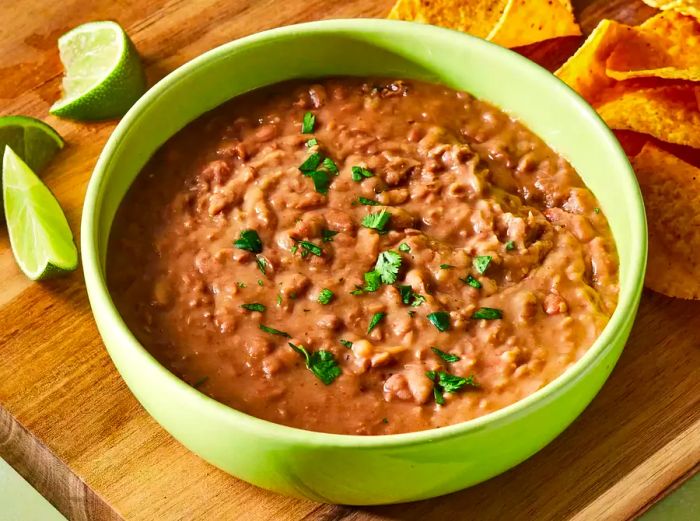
365, 470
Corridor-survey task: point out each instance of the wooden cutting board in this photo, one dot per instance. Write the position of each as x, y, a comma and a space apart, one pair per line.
69, 425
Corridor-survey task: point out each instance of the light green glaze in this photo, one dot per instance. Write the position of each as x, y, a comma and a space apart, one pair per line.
378, 469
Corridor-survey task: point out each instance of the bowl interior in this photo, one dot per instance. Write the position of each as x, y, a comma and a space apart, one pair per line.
373, 48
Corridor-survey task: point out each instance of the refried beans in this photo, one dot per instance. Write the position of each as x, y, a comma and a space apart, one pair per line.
362, 256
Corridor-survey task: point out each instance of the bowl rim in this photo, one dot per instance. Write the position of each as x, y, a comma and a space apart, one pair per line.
102, 304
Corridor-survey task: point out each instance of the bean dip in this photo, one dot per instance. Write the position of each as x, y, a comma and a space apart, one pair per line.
362, 256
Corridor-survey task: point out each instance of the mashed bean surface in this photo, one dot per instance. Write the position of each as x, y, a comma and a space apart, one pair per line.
505, 268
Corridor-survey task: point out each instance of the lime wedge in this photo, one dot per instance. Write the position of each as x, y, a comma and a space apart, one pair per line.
41, 239
103, 75
35, 142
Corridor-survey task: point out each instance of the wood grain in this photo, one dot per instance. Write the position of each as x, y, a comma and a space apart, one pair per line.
69, 425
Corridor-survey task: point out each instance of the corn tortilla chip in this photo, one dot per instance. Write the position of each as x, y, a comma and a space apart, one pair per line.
665, 46
585, 70
689, 7
529, 21
475, 17
671, 190
668, 113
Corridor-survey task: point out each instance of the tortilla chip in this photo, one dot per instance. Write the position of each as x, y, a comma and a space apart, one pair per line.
665, 46
689, 7
475, 17
671, 190
668, 113
585, 70
529, 21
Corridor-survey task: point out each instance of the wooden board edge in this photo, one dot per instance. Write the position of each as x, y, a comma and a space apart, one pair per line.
661, 472
680, 481
50, 475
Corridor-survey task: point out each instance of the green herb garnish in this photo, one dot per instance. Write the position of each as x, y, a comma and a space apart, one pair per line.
325, 296
487, 314
345, 343
321, 180
376, 221
373, 280
409, 297
446, 266
310, 247
330, 165
254, 307
447, 357
279, 299
376, 319
596, 210
440, 319
311, 163
448, 383
359, 173
321, 363
411, 313
249, 241
241, 285
481, 263
312, 142
274, 331
262, 264
404, 247
368, 202
327, 235
388, 265
308, 123
260, 283
471, 281
510, 245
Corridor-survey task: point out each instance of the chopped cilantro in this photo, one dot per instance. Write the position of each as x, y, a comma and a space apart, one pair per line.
273, 331
368, 202
294, 249
310, 247
321, 363
446, 266
359, 173
308, 123
345, 343
411, 313
260, 283
385, 420
279, 299
199, 383
376, 319
471, 281
447, 357
357, 291
409, 297
325, 296
373, 280
481, 263
388, 265
311, 163
312, 142
404, 247
262, 264
254, 307
249, 241
448, 383
327, 235
510, 245
330, 165
321, 181
487, 314
376, 221
440, 319
241, 285
596, 210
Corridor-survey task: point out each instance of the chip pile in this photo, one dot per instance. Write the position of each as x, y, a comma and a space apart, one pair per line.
644, 81
510, 23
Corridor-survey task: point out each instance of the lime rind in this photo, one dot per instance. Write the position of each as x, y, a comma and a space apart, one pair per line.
104, 76
41, 239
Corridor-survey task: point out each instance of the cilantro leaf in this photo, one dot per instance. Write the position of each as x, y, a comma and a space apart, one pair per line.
376, 319
448, 383
249, 241
388, 265
510, 245
254, 307
262, 264
321, 363
481, 263
471, 281
447, 357
311, 163
372, 281
312, 142
376, 221
359, 173
404, 247
487, 314
409, 297
345, 343
308, 123
327, 235
446, 266
330, 165
440, 319
309, 247
273, 331
325, 296
368, 202
321, 181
